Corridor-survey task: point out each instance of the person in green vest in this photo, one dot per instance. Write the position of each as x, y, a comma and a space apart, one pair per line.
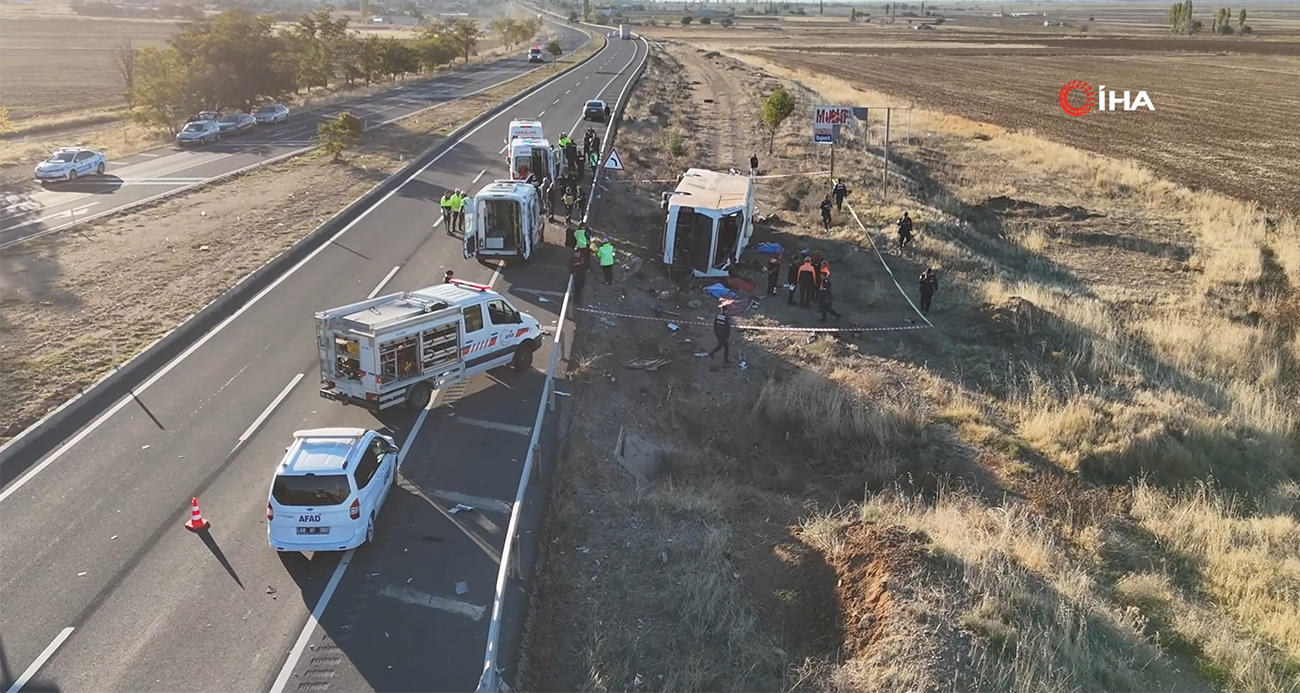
582, 244
446, 211
607, 261
458, 200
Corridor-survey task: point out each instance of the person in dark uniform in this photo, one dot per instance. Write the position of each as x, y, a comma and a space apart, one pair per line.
722, 331
825, 298
827, 206
929, 284
905, 231
753, 164
773, 274
446, 278
578, 269
840, 191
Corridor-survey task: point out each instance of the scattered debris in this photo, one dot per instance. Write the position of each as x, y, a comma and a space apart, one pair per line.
461, 508
647, 364
462, 587
270, 589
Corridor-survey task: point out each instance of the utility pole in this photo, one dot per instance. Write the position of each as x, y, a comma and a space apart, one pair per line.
884, 181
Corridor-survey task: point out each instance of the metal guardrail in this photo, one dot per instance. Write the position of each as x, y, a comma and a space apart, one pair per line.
490, 681
42, 437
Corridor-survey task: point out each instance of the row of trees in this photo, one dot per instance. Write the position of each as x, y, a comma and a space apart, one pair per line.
1182, 22
515, 32
239, 59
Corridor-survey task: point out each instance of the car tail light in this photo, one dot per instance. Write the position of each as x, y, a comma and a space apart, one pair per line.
355, 509
270, 512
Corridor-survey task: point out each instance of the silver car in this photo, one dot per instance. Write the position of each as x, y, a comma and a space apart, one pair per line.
235, 123
271, 114
70, 163
198, 132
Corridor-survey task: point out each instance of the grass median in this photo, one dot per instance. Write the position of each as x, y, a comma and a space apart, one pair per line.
77, 303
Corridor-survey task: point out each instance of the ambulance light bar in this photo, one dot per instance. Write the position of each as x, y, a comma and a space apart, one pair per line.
471, 285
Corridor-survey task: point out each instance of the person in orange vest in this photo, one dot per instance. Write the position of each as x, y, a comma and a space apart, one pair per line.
817, 278
807, 282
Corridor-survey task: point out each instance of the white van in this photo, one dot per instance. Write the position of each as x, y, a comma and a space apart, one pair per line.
328, 489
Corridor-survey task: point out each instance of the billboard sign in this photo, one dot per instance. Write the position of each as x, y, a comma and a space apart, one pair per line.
827, 121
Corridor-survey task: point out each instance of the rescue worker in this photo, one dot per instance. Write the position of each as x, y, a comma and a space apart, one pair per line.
569, 200
840, 191
582, 244
578, 266
827, 206
753, 164
595, 145
825, 299
773, 274
581, 202
905, 231
458, 200
593, 248
722, 331
807, 282
606, 253
817, 264
792, 275
929, 284
445, 202
446, 278
586, 143
548, 198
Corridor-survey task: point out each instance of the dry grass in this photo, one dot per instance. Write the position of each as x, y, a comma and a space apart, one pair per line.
1083, 479
96, 279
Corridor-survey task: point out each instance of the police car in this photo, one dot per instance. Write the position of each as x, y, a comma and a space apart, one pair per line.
71, 163
328, 489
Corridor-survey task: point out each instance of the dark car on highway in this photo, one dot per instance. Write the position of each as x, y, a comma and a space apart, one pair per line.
235, 123
597, 111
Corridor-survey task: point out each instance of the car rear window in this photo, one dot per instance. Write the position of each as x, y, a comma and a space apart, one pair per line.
594, 104
311, 489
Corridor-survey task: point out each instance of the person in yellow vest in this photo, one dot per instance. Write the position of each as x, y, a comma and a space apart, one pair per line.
582, 244
458, 200
446, 211
606, 253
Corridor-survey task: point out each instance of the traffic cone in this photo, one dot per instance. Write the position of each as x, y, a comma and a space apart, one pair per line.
196, 523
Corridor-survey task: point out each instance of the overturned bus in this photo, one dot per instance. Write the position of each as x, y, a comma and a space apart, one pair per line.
710, 220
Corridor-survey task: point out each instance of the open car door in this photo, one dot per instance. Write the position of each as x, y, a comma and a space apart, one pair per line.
471, 230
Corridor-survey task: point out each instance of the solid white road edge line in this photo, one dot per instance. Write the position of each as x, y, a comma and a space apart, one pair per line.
40, 661
81, 435
291, 662
252, 428
381, 284
21, 481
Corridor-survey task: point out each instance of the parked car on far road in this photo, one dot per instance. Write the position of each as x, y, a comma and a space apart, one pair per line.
271, 114
235, 123
70, 163
198, 132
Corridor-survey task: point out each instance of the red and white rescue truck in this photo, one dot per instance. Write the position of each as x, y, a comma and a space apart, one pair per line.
399, 348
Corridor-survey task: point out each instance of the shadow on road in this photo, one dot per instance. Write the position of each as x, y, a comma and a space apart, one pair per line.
220, 555
92, 185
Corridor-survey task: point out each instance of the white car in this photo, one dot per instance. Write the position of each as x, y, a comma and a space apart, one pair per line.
71, 163
328, 489
198, 132
271, 114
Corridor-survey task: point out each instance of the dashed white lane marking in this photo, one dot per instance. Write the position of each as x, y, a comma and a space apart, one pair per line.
40, 661
451, 606
387, 277
261, 418
539, 115
489, 504
480, 175
508, 428
555, 102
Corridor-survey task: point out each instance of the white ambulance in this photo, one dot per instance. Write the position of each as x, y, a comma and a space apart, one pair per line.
504, 220
399, 348
528, 151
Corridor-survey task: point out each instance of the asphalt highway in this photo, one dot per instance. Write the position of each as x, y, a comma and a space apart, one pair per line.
33, 210
103, 588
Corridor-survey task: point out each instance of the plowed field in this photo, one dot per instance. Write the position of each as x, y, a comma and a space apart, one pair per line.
1222, 122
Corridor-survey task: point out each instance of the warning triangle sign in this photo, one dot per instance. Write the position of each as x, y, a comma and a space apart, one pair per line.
613, 162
